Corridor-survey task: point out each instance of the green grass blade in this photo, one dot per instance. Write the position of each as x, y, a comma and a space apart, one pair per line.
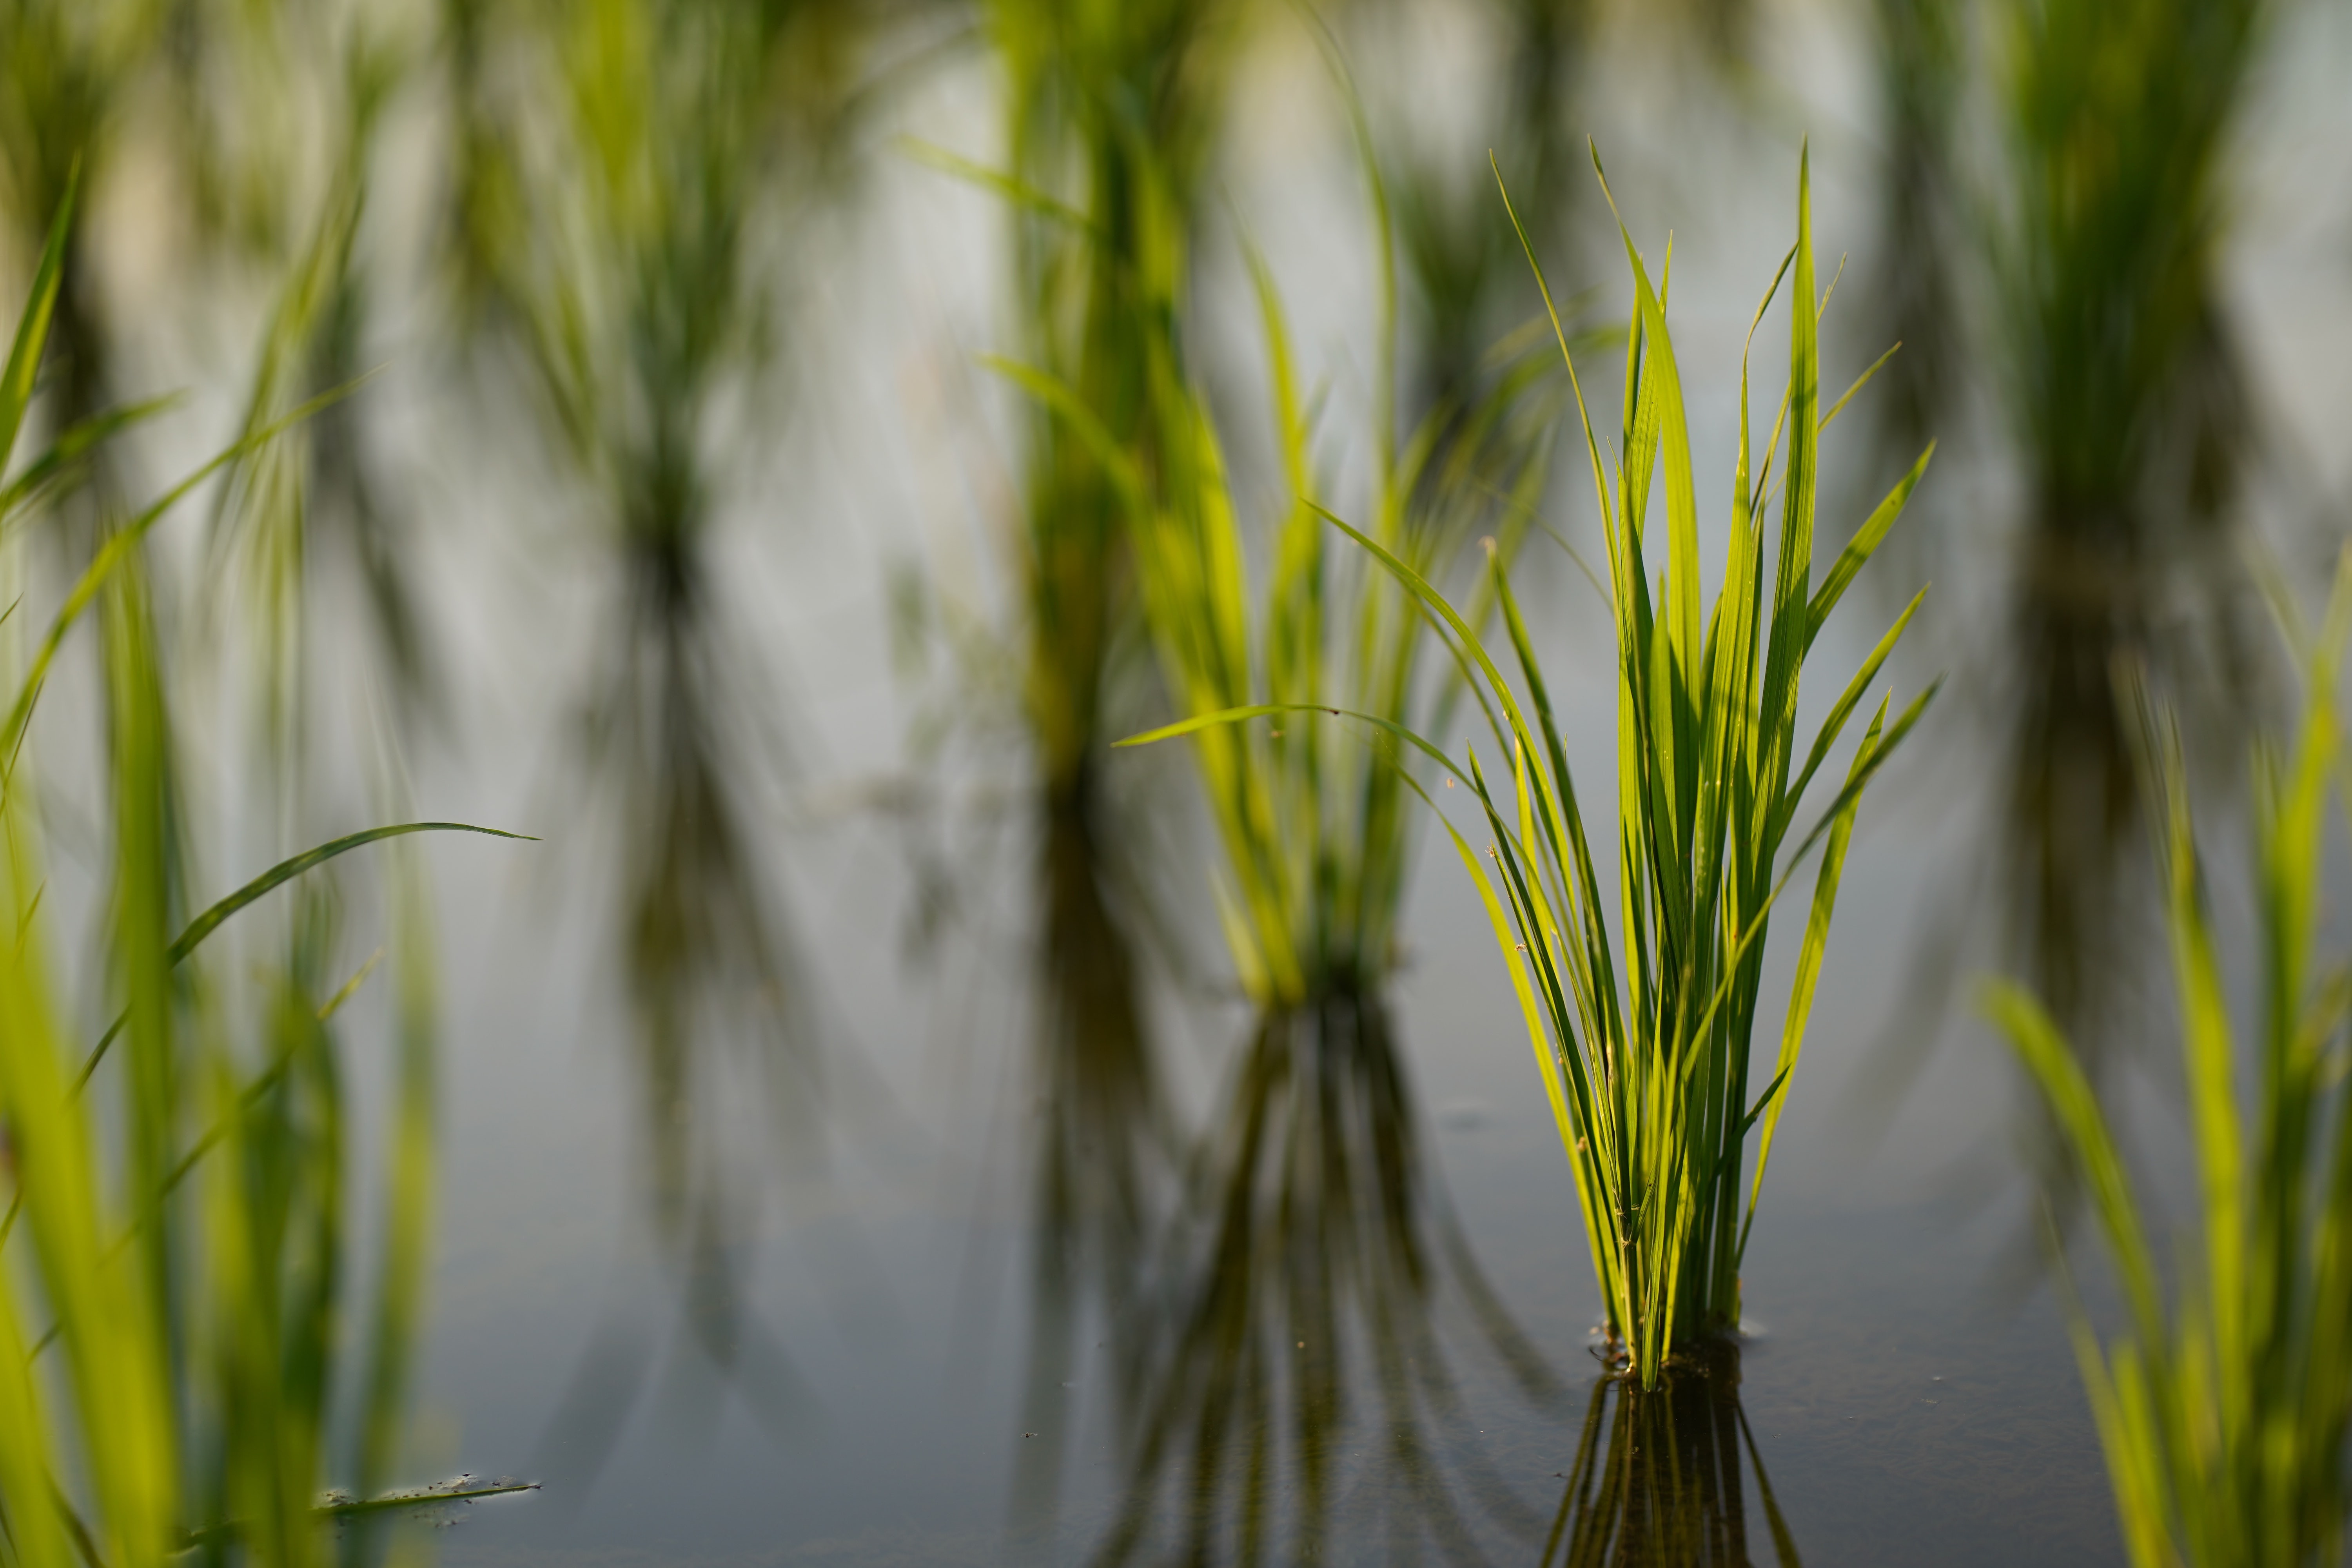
2047, 1056
1808, 966
1017, 192
1862, 546
33, 325
1834, 724
285, 872
115, 550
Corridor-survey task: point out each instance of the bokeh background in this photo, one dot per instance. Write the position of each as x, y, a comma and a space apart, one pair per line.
857, 1144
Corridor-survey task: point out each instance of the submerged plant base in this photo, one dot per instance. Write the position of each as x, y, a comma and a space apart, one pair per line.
1705, 1352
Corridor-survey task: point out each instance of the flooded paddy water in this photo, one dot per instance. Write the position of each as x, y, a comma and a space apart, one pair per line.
858, 1144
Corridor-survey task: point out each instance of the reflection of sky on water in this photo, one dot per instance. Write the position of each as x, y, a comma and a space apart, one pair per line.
1900, 1415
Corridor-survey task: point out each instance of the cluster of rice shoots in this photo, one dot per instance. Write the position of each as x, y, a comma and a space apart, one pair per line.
283, 116
2132, 419
629, 168
1112, 112
1312, 822
1109, 114
1646, 1055
181, 1312
69, 72
2223, 1401
1309, 1245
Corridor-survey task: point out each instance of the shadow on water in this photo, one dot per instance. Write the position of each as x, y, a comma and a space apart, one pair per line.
1658, 1478
1306, 1266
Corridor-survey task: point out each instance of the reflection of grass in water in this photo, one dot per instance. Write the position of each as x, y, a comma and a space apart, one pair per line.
2224, 1409
1309, 1233
1468, 278
1664, 1486
1102, 1140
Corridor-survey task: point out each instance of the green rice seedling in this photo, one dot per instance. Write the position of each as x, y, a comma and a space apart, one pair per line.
1923, 69
2131, 418
1652, 1085
67, 70
1649, 1074
628, 172
178, 1261
1306, 1216
1313, 827
2224, 1402
306, 516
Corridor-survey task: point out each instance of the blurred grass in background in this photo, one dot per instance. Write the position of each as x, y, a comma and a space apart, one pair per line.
2131, 414
632, 197
633, 186
200, 1329
2224, 1400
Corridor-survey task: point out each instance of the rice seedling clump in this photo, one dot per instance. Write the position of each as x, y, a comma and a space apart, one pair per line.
1645, 1052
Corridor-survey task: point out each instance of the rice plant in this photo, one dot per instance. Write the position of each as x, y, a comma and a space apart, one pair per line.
627, 160
2223, 1400
182, 1363
1111, 114
1307, 1215
67, 70
1313, 827
1649, 1077
284, 110
2131, 417
1651, 1087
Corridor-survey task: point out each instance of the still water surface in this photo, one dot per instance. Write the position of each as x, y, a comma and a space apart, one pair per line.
940, 1359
